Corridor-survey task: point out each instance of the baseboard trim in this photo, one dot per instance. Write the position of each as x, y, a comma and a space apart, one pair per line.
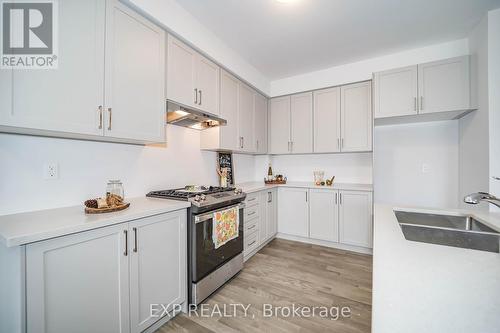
339, 246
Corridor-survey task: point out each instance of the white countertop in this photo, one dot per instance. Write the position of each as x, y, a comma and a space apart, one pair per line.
419, 287
260, 186
23, 228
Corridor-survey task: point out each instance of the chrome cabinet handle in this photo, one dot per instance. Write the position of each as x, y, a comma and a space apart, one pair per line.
415, 103
257, 145
495, 178
251, 213
242, 142
200, 97
421, 102
291, 146
269, 196
126, 243
135, 239
252, 243
338, 143
110, 117
195, 95
342, 143
336, 201
306, 196
340, 198
100, 116
252, 199
250, 228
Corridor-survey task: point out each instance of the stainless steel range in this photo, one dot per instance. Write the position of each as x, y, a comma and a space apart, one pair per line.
208, 268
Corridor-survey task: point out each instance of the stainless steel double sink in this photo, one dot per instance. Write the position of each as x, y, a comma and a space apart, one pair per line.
451, 230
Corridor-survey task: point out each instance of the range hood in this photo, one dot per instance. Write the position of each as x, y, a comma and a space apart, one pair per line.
181, 115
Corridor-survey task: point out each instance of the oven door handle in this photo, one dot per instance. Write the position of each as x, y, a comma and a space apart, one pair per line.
208, 216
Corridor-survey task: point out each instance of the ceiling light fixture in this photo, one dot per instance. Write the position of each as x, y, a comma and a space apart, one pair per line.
286, 1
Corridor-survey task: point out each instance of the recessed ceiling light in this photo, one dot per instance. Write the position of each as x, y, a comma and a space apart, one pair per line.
286, 1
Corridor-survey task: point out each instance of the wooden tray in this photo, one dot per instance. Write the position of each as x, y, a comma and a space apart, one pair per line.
106, 210
270, 182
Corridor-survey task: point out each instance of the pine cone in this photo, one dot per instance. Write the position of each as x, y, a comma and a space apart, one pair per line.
92, 203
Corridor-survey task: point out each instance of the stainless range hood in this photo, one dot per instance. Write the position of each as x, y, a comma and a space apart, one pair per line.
181, 115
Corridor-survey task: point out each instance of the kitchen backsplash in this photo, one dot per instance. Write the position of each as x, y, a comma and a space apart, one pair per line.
85, 166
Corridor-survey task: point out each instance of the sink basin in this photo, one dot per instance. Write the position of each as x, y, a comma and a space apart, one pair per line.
451, 230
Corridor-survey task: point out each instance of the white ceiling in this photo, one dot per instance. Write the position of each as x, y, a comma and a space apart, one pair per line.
282, 40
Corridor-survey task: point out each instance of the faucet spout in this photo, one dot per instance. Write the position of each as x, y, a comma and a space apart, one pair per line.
475, 198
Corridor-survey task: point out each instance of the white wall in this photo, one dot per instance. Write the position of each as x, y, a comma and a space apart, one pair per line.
347, 168
362, 70
494, 98
399, 154
85, 167
474, 138
176, 19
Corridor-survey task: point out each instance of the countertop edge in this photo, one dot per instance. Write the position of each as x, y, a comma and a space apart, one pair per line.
108, 220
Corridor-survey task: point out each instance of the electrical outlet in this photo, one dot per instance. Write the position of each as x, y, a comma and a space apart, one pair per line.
426, 168
50, 171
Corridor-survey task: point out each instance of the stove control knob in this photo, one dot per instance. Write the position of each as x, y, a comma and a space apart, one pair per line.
197, 198
203, 197
237, 191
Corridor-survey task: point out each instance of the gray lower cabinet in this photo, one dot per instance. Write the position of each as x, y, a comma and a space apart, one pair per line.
260, 221
327, 215
105, 280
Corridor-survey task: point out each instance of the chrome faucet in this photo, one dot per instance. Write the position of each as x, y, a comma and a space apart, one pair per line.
475, 198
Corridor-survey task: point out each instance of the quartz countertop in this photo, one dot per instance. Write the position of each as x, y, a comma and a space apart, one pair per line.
420, 287
250, 187
23, 228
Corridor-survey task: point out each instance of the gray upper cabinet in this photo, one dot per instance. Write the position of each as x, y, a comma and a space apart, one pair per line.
327, 120
395, 92
260, 123
192, 80
356, 117
109, 86
279, 125
436, 90
301, 123
444, 85
246, 118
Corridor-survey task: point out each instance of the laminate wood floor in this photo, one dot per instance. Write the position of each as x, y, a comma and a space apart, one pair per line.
282, 274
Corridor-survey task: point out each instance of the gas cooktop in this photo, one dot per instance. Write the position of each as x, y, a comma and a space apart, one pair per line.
200, 196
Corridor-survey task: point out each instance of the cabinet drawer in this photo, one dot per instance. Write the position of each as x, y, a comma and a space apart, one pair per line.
251, 242
251, 212
252, 199
251, 226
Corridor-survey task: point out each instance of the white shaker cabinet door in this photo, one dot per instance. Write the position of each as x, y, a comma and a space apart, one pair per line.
228, 111
301, 130
157, 247
355, 218
70, 98
246, 118
207, 84
260, 114
135, 81
181, 73
444, 85
79, 283
293, 211
323, 215
327, 120
279, 125
356, 117
395, 92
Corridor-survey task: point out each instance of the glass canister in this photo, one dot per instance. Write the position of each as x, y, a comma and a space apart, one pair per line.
318, 177
115, 187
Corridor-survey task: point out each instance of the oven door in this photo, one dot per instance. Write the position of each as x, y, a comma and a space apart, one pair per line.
205, 258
